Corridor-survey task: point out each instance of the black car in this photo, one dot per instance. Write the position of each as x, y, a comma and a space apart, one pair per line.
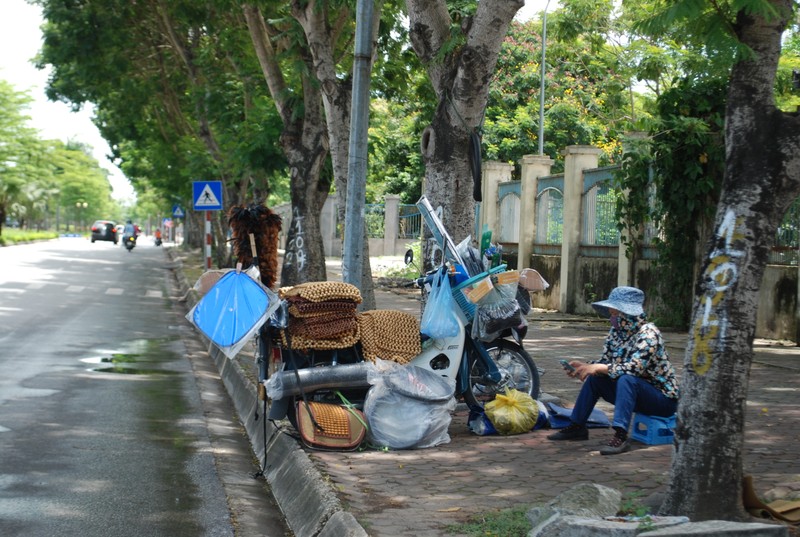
104, 230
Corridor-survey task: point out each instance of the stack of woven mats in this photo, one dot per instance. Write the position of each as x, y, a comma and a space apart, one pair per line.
389, 335
322, 315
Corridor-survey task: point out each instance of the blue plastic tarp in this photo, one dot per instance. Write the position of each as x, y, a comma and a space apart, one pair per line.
233, 310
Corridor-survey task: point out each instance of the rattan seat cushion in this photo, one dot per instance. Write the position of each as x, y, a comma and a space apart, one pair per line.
389, 335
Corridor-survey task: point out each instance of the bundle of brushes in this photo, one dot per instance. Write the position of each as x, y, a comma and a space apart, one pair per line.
265, 226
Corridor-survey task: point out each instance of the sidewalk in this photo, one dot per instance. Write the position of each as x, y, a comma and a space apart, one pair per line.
421, 492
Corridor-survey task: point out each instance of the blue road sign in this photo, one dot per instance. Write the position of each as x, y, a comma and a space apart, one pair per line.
177, 211
207, 195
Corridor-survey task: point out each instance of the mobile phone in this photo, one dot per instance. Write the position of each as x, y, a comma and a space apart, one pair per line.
565, 364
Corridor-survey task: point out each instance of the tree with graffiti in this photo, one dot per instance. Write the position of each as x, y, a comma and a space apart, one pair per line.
761, 180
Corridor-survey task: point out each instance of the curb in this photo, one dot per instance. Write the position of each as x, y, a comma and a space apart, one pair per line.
303, 494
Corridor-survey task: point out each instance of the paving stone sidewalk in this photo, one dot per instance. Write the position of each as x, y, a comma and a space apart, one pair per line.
421, 492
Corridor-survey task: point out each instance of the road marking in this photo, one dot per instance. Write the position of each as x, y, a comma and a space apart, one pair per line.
38, 285
75, 288
154, 294
114, 291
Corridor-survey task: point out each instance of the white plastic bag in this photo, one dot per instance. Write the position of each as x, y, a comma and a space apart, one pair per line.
407, 407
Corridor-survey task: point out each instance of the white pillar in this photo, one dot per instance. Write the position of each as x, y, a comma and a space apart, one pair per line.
533, 167
494, 173
576, 159
391, 223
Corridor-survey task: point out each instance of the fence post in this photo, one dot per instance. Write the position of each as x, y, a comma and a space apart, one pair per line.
327, 222
533, 167
494, 173
576, 159
391, 223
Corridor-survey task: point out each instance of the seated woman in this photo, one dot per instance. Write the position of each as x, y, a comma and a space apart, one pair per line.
633, 373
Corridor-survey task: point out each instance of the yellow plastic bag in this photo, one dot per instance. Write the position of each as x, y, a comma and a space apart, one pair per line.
513, 413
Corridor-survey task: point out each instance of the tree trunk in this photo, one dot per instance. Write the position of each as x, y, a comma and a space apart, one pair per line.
461, 80
305, 143
762, 178
304, 258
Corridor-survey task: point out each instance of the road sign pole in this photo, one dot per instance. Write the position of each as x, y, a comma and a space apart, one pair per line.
207, 196
208, 240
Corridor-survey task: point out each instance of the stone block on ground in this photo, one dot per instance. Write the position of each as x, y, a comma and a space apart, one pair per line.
722, 528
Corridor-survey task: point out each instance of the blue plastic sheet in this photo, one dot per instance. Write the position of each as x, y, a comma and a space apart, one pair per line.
232, 311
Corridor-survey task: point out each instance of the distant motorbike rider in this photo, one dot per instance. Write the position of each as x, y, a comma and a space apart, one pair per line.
130, 229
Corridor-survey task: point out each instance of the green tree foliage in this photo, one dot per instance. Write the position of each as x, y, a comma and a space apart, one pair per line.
673, 178
16, 141
44, 180
403, 98
396, 165
675, 174
585, 100
178, 91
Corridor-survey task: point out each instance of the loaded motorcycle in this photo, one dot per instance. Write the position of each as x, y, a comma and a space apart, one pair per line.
478, 370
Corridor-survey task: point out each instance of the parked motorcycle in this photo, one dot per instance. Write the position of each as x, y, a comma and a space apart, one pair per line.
477, 369
129, 241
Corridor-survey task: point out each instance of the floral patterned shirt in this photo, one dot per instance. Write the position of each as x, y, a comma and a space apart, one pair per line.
637, 348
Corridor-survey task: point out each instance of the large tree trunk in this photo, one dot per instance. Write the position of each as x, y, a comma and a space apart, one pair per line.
762, 178
461, 81
305, 142
322, 35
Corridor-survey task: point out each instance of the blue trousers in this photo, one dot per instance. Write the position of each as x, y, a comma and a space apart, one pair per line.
627, 393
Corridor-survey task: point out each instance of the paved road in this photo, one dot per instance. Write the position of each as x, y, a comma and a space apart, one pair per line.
111, 420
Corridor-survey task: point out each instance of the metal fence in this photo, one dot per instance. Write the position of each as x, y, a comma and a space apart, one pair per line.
599, 228
787, 241
410, 225
550, 217
599, 217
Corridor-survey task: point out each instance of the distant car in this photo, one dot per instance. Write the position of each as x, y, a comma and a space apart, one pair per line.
104, 230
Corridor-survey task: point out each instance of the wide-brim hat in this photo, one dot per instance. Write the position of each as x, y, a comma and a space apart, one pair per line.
628, 300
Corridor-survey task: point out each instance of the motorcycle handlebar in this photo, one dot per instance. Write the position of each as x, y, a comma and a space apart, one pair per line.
427, 279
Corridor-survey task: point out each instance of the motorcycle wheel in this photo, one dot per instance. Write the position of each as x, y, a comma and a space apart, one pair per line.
516, 364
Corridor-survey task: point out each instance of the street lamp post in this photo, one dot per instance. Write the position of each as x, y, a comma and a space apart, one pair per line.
541, 81
81, 205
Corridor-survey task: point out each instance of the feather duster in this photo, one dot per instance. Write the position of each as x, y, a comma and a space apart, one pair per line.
265, 225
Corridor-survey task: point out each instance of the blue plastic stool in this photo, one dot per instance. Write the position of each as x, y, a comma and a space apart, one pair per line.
653, 430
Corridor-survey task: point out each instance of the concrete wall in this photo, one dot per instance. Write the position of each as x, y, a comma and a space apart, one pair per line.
576, 279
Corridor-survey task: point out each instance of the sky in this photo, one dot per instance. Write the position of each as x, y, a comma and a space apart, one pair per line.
20, 40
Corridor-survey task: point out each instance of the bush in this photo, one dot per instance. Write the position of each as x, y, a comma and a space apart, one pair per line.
12, 236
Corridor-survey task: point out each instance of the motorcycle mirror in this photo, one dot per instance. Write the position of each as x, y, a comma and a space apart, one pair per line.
409, 257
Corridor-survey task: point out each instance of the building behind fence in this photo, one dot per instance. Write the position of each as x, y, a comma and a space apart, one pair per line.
564, 226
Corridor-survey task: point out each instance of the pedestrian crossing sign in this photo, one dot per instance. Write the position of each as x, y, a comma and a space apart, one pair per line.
207, 195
